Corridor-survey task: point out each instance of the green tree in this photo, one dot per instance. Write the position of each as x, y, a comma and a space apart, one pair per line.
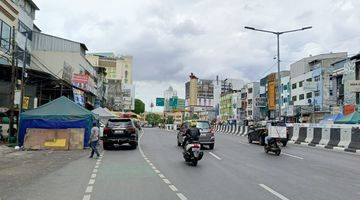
139, 106
170, 120
153, 118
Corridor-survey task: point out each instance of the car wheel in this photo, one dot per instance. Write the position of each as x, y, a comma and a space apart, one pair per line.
211, 146
278, 153
106, 146
178, 143
284, 143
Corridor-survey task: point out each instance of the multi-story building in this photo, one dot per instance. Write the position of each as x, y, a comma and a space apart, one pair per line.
226, 106
119, 79
252, 94
285, 95
311, 90
64, 62
169, 94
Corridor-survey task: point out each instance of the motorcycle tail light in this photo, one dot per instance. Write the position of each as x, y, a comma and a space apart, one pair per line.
106, 131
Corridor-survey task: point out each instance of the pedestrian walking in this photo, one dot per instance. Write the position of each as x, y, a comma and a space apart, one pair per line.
94, 139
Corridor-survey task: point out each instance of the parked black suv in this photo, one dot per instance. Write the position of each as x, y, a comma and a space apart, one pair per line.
120, 131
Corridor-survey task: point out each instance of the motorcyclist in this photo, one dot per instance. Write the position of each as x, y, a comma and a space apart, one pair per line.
191, 134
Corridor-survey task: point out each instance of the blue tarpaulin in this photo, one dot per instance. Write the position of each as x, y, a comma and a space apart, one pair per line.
62, 113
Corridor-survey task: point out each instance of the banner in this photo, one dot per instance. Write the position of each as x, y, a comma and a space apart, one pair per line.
26, 102
271, 96
354, 85
79, 97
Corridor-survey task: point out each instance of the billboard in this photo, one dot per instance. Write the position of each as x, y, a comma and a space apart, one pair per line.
160, 102
260, 102
271, 95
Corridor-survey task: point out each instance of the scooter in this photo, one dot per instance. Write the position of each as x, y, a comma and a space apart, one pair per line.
192, 152
273, 146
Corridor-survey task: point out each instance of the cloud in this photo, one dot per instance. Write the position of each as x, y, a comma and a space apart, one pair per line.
170, 39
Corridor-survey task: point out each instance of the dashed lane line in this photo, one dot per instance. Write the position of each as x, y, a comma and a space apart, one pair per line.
90, 187
298, 157
280, 196
215, 156
164, 179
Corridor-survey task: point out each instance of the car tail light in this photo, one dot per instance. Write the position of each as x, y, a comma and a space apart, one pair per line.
131, 130
106, 131
212, 131
196, 146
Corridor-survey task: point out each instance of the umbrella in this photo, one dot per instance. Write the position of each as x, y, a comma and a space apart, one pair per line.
353, 118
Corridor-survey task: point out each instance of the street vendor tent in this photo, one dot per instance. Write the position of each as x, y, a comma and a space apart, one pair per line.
61, 113
330, 119
103, 114
353, 118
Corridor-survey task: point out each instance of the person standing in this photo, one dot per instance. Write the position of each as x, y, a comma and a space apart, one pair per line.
94, 139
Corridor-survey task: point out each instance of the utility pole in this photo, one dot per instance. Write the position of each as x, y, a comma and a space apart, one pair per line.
12, 83
23, 75
277, 33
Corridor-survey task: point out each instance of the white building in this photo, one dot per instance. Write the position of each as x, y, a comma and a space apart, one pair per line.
128, 95
252, 93
168, 94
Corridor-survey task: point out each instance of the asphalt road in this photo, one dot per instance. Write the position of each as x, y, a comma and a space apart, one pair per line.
233, 170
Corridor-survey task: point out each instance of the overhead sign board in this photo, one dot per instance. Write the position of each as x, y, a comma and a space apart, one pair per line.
160, 102
354, 85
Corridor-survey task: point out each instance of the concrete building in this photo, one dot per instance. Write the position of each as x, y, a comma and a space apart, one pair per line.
65, 61
169, 94
121, 91
285, 95
252, 94
310, 85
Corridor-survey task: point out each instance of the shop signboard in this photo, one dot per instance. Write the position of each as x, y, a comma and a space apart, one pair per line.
354, 85
79, 97
260, 102
271, 96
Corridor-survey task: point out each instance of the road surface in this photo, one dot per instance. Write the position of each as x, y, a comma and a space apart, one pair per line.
233, 170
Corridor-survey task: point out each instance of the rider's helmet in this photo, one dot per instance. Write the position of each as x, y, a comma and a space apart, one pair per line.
193, 124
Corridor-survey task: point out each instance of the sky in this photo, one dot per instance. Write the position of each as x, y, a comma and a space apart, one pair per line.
169, 39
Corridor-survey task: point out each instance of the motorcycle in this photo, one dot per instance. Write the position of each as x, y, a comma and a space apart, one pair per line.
192, 152
273, 146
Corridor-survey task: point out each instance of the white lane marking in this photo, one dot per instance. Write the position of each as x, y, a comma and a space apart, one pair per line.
95, 171
166, 181
96, 166
89, 189
91, 181
286, 154
181, 196
243, 143
217, 157
280, 196
93, 175
87, 197
173, 188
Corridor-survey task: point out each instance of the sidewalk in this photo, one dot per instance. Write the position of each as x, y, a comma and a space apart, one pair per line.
18, 168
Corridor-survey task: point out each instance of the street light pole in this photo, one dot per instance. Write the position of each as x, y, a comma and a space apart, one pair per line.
278, 55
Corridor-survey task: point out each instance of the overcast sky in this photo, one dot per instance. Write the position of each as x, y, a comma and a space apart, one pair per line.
171, 38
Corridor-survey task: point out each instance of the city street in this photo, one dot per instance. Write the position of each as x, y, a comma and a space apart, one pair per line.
233, 170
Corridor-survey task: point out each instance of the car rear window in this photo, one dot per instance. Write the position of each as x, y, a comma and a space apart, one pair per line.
203, 125
119, 123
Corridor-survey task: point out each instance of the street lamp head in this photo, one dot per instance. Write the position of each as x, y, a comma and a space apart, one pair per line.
307, 27
248, 27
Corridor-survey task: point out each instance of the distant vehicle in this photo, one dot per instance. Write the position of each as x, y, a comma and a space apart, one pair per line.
258, 131
120, 131
273, 146
207, 136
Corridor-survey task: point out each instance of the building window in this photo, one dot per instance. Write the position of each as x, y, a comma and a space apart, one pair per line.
301, 83
250, 90
317, 78
284, 100
330, 92
23, 29
301, 97
249, 112
317, 93
294, 98
293, 86
5, 36
250, 101
309, 79
284, 87
308, 95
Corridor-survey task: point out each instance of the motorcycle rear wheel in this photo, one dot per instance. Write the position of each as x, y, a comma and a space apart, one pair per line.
194, 162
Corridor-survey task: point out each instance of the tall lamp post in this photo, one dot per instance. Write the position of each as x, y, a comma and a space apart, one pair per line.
278, 54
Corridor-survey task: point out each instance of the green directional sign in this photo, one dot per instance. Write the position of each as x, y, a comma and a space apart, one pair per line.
173, 102
160, 102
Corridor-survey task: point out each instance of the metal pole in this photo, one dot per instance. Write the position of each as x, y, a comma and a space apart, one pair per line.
23, 74
12, 83
279, 77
